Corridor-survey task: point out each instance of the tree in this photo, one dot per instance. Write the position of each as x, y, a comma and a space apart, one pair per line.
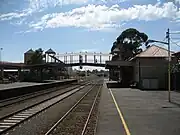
35, 74
37, 57
129, 43
114, 46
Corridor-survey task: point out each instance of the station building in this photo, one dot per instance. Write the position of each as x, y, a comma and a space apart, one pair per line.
150, 67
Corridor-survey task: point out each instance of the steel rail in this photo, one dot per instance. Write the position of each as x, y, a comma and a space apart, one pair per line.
68, 112
90, 113
33, 110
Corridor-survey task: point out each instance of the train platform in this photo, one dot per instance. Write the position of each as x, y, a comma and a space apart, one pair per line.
27, 84
125, 111
17, 84
18, 89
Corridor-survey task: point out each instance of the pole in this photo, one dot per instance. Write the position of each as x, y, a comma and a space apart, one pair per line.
1, 54
169, 67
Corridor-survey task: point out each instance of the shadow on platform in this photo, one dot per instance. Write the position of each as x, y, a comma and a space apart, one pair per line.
115, 84
175, 103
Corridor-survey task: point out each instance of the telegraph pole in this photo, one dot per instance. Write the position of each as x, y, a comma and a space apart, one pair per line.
1, 54
169, 59
169, 66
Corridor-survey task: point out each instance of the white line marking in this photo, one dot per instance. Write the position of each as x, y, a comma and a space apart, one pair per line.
20, 116
33, 110
12, 121
16, 118
1, 130
7, 123
25, 114
4, 126
27, 111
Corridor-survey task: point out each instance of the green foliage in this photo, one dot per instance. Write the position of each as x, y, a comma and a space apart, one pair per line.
130, 42
114, 46
175, 68
37, 57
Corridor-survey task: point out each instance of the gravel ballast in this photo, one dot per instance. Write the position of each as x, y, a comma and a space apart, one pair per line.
18, 106
40, 124
74, 123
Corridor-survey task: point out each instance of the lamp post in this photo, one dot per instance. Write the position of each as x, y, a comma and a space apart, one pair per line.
1, 54
169, 61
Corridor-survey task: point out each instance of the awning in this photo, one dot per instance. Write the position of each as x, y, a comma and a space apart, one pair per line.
118, 63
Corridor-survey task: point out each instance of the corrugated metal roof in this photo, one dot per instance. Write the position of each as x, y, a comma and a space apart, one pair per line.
154, 51
29, 51
50, 51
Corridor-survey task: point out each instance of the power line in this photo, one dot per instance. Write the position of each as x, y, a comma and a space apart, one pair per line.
175, 43
175, 38
178, 32
163, 44
164, 39
175, 32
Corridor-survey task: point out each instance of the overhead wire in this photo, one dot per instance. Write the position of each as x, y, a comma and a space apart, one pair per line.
175, 43
163, 44
178, 32
176, 38
156, 50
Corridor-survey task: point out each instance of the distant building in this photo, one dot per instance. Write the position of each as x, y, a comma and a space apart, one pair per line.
69, 70
49, 55
28, 55
150, 67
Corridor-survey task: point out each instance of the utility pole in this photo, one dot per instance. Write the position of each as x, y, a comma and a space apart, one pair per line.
169, 66
1, 54
169, 60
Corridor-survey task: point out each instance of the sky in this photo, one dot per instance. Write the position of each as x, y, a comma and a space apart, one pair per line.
81, 25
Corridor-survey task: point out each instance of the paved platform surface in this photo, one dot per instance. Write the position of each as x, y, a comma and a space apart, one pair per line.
143, 112
24, 84
17, 84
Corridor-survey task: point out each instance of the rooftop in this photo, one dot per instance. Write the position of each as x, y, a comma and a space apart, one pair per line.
50, 51
154, 51
29, 51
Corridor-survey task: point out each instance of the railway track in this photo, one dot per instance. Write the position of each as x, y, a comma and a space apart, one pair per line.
81, 118
16, 118
18, 99
18, 106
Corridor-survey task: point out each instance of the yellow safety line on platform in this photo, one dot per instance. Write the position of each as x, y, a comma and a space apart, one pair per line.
120, 114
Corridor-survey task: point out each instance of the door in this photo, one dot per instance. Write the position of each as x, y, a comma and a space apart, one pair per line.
146, 84
154, 83
150, 83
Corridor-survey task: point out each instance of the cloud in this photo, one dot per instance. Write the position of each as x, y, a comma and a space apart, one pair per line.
38, 6
34, 6
100, 17
87, 50
15, 15
177, 1
43, 4
23, 32
93, 17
